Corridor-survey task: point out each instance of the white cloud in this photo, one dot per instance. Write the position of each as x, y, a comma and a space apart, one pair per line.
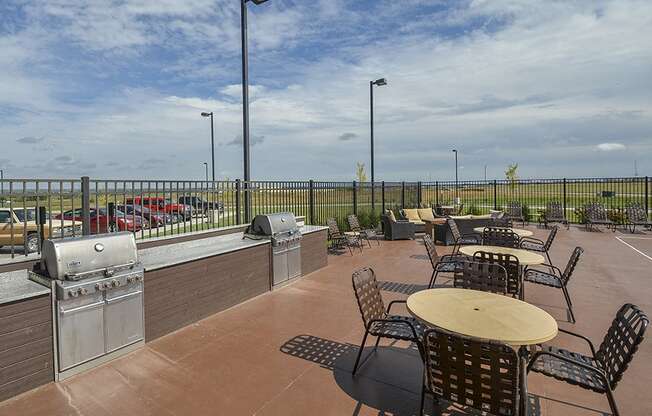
610, 147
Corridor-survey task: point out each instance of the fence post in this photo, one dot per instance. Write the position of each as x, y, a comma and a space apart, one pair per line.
419, 199
311, 200
86, 205
383, 194
436, 193
237, 202
564, 193
647, 195
355, 198
403, 195
495, 195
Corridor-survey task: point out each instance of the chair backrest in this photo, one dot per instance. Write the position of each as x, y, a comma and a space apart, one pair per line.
501, 237
621, 342
367, 293
572, 263
554, 209
472, 372
596, 212
514, 210
484, 276
511, 265
503, 222
432, 251
354, 224
636, 213
333, 228
551, 237
455, 232
460, 209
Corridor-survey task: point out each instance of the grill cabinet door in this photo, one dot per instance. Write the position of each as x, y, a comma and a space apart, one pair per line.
81, 330
123, 316
294, 260
280, 263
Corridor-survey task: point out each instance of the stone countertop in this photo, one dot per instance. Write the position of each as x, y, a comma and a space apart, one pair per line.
17, 286
307, 229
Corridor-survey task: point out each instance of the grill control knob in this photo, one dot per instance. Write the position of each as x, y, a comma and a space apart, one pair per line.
98, 286
73, 293
107, 285
115, 283
83, 291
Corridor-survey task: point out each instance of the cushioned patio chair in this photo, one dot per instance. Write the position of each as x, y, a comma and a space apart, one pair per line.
338, 239
511, 265
554, 213
479, 275
514, 211
500, 237
412, 215
461, 239
397, 229
636, 216
365, 234
481, 374
443, 264
557, 279
603, 369
377, 320
540, 246
596, 215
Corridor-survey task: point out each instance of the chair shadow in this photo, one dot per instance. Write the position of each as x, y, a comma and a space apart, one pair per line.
419, 256
388, 379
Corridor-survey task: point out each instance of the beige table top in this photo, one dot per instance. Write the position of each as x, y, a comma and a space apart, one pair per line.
483, 315
518, 231
525, 258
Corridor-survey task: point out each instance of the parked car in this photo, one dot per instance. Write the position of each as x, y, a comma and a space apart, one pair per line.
101, 223
18, 227
155, 219
160, 204
201, 205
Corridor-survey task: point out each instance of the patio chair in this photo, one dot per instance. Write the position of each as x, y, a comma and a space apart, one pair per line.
443, 264
603, 369
481, 374
397, 229
460, 209
557, 279
511, 265
500, 237
366, 234
534, 244
480, 275
636, 215
502, 222
338, 239
377, 320
554, 213
597, 215
461, 239
514, 211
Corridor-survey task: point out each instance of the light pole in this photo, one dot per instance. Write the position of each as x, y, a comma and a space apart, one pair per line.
212, 144
485, 173
379, 82
206, 167
456, 181
245, 101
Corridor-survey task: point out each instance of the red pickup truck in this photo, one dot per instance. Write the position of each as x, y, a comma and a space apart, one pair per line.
160, 204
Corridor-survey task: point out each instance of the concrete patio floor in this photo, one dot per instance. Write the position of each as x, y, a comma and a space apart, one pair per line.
290, 352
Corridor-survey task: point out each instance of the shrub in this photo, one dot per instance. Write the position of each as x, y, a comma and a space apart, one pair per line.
617, 216
473, 210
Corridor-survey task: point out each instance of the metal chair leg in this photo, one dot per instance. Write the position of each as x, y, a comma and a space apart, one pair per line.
357, 360
423, 398
433, 277
569, 303
612, 401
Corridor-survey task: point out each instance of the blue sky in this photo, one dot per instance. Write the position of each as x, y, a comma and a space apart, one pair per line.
114, 89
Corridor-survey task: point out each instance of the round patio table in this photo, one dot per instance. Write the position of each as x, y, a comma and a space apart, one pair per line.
483, 315
518, 231
525, 258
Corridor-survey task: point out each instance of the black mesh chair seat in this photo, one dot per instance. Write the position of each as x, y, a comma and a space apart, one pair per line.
396, 328
568, 372
468, 240
542, 278
532, 246
447, 267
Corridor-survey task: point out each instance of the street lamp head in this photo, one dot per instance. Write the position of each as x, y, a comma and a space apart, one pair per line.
257, 1
454, 150
380, 82
206, 114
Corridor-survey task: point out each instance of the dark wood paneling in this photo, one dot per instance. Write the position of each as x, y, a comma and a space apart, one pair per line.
21, 265
26, 356
179, 295
183, 238
314, 253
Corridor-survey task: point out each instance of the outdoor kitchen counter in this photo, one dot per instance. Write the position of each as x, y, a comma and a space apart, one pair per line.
15, 286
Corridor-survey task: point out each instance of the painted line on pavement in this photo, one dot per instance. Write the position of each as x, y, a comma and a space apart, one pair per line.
634, 248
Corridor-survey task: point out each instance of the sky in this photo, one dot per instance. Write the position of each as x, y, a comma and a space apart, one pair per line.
114, 89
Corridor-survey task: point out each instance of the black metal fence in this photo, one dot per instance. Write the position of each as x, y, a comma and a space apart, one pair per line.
32, 209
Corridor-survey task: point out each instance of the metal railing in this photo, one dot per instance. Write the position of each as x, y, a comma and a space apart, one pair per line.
152, 208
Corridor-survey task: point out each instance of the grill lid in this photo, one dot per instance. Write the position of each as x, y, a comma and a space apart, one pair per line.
76, 258
273, 224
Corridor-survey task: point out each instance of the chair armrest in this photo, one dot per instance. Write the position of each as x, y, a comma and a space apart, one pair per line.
585, 366
401, 321
532, 240
476, 237
588, 341
392, 303
555, 268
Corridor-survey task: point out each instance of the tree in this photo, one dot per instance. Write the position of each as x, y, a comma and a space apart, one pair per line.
360, 173
512, 174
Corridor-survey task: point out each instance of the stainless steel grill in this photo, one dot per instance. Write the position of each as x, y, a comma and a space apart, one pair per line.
281, 228
97, 286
